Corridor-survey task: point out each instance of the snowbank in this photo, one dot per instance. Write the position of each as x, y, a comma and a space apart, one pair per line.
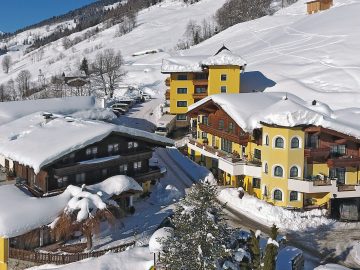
268, 214
249, 110
158, 236
331, 266
138, 258
165, 195
96, 114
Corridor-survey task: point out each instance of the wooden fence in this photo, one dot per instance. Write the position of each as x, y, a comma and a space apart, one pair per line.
41, 258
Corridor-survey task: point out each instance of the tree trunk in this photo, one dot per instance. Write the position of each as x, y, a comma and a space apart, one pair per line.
89, 242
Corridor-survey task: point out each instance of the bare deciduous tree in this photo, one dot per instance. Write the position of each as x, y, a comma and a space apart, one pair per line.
10, 87
107, 71
23, 83
6, 63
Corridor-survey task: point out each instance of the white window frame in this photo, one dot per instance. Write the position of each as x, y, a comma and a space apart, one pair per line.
300, 142
298, 195
125, 168
268, 142
298, 168
273, 193
273, 171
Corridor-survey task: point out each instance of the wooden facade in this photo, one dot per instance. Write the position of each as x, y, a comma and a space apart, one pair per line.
318, 5
114, 155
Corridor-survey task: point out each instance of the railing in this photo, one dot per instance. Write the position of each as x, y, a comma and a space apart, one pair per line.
200, 95
315, 181
317, 152
37, 257
240, 139
346, 188
167, 81
200, 82
344, 161
167, 94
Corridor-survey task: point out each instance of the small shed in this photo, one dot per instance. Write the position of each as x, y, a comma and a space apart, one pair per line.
318, 5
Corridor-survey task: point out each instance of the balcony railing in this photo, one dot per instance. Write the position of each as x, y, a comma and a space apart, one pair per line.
317, 153
200, 82
167, 81
344, 161
167, 94
240, 139
200, 95
342, 188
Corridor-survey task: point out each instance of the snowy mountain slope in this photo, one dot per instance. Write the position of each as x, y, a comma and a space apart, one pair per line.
313, 56
159, 27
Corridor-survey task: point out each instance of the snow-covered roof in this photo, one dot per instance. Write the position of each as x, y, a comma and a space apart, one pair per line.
249, 110
286, 256
22, 213
10, 111
196, 63
32, 141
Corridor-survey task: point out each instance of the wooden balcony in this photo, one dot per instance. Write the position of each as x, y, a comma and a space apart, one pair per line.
200, 95
342, 188
345, 161
167, 81
240, 139
154, 173
167, 94
317, 153
101, 163
201, 82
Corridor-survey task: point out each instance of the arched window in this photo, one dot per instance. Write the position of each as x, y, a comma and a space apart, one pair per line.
279, 142
295, 143
266, 168
294, 171
293, 196
277, 195
278, 171
267, 140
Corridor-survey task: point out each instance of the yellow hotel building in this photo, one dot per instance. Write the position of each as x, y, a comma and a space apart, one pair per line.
193, 78
279, 148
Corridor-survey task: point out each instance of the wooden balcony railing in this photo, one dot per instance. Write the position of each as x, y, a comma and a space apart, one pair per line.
167, 81
167, 94
342, 188
345, 161
240, 139
200, 95
200, 82
317, 153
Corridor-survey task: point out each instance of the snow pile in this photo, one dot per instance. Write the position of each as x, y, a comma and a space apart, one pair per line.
115, 185
95, 114
59, 136
10, 111
165, 195
249, 110
268, 214
138, 258
155, 243
331, 266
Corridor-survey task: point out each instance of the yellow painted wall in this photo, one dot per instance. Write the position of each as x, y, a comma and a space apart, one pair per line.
286, 158
174, 96
232, 82
4, 253
146, 186
351, 176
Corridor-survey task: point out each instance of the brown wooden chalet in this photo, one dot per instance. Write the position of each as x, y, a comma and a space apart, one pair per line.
318, 5
117, 154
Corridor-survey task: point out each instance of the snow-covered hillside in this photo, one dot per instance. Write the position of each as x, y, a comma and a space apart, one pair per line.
313, 56
159, 28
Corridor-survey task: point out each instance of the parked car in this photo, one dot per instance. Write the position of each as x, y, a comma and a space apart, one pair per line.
146, 97
166, 124
129, 102
121, 107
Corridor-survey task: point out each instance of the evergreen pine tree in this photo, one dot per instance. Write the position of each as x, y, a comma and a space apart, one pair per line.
200, 232
271, 250
255, 250
84, 66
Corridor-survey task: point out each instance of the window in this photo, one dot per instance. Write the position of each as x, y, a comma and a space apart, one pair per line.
62, 181
256, 182
223, 89
267, 140
226, 145
182, 77
182, 90
113, 148
339, 174
293, 196
91, 151
294, 171
123, 168
204, 135
202, 158
277, 195
231, 127
182, 103
205, 120
295, 143
80, 178
223, 77
314, 141
257, 153
200, 89
137, 165
132, 145
279, 142
221, 124
201, 76
338, 150
181, 117
266, 168
278, 171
